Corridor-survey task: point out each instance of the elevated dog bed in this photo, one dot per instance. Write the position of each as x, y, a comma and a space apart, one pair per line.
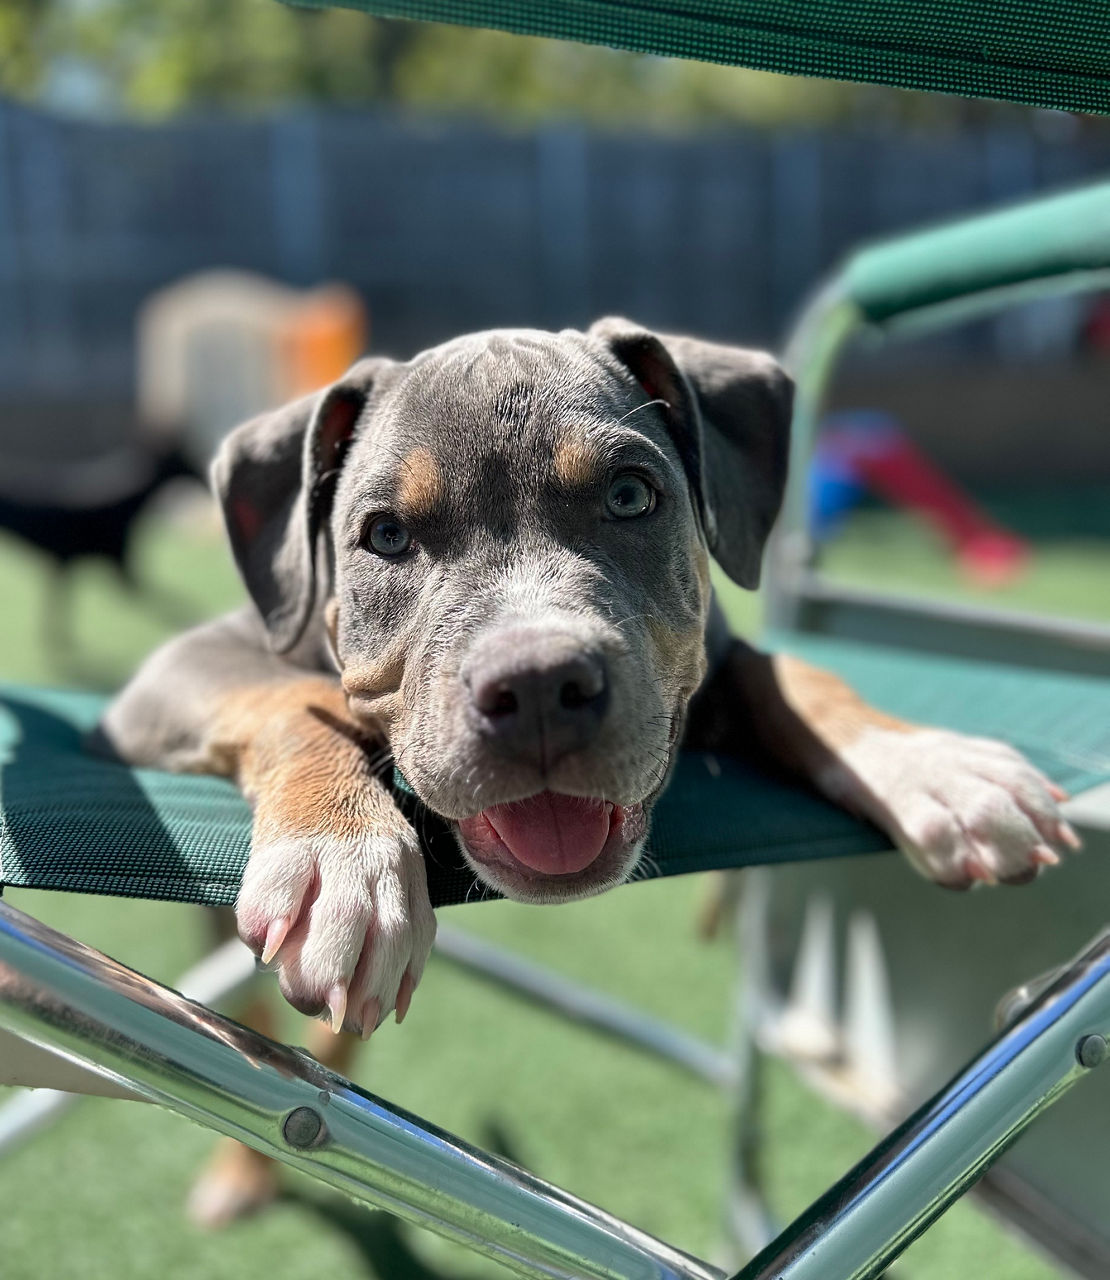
71, 821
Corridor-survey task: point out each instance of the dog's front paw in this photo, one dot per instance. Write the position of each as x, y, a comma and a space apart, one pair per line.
345, 918
961, 809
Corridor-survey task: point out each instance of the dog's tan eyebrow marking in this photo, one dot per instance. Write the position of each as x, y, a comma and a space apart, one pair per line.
576, 463
420, 488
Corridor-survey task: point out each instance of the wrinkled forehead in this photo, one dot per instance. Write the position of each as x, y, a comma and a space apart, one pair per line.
504, 410
519, 386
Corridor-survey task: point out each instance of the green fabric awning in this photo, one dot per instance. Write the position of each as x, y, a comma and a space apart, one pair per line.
1047, 53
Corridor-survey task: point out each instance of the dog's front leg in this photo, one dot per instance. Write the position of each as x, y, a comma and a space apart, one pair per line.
335, 892
961, 809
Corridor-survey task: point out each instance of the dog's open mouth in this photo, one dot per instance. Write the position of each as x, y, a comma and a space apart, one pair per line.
549, 838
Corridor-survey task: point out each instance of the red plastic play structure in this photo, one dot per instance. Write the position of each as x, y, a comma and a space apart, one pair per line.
865, 452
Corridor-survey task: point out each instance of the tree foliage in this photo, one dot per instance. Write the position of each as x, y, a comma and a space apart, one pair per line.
157, 57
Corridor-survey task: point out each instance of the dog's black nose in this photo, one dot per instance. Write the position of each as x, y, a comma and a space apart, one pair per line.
536, 695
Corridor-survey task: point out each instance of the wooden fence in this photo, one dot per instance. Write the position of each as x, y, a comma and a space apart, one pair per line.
446, 227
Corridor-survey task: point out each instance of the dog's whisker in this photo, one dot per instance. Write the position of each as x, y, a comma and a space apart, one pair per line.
646, 868
648, 404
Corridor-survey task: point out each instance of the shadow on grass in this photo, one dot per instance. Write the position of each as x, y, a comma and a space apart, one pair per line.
380, 1239
383, 1241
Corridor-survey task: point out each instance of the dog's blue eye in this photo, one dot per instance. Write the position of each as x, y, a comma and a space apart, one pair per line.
388, 537
630, 495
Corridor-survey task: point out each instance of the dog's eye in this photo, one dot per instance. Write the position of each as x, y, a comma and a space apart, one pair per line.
630, 495
388, 537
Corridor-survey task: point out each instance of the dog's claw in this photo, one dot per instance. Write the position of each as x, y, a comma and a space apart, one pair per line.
1043, 856
1067, 834
276, 934
371, 1017
337, 1005
404, 996
349, 915
975, 870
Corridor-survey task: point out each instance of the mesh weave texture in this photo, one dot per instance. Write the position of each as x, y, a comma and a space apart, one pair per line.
71, 821
1048, 53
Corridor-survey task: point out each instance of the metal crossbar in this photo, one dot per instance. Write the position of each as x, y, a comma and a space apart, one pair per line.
144, 1038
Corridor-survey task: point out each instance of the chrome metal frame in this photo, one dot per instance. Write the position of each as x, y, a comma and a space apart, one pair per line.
802, 598
77, 1003
914, 1174
148, 1040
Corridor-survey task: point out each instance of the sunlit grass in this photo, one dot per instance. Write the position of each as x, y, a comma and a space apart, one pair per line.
1067, 574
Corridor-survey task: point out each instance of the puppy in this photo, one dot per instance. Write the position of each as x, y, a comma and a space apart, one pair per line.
490, 565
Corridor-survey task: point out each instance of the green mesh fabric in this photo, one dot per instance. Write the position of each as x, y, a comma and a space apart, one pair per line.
1061, 722
1049, 53
71, 821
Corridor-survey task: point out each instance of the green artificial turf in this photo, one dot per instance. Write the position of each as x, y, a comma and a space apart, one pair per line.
100, 1194
1067, 573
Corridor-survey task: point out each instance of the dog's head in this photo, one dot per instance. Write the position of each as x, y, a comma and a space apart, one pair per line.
507, 540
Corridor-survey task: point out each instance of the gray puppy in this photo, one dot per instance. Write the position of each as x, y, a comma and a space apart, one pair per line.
491, 563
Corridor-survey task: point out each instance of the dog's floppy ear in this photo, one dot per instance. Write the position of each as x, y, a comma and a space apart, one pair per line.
729, 414
274, 477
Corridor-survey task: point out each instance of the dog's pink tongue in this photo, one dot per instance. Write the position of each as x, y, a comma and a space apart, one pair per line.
552, 833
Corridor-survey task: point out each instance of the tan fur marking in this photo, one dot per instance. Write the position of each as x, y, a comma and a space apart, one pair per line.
331, 629
575, 463
304, 762
421, 486
373, 679
374, 691
250, 710
681, 655
781, 711
701, 568
832, 710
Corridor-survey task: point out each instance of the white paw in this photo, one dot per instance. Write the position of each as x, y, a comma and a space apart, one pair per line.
961, 809
345, 919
